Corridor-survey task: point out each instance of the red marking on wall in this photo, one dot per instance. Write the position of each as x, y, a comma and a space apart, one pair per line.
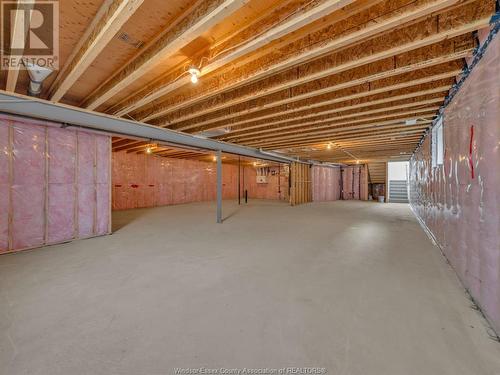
134, 186
444, 164
118, 185
471, 164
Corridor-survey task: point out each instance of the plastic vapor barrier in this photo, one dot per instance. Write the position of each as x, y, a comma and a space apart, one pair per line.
326, 183
54, 184
459, 201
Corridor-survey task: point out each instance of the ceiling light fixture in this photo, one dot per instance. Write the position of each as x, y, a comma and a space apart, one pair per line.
150, 147
195, 73
329, 146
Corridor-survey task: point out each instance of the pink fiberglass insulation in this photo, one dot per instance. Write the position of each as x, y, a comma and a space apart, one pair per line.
102, 185
61, 184
86, 185
458, 201
4, 187
49, 184
276, 187
141, 180
354, 182
326, 183
28, 187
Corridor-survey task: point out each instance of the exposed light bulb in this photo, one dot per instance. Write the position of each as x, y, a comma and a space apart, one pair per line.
149, 150
215, 158
357, 161
329, 146
195, 73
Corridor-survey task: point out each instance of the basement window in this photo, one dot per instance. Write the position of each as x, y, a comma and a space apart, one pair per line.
437, 144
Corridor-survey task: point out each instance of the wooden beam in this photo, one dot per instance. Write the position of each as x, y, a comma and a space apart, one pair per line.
129, 145
321, 103
350, 137
118, 12
376, 146
387, 112
326, 139
125, 141
334, 45
368, 103
274, 33
366, 123
349, 82
208, 14
257, 129
374, 128
18, 38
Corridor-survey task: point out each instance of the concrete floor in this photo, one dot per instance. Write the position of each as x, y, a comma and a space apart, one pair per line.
354, 287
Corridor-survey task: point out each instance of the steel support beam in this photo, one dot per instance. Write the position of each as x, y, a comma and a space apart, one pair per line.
72, 116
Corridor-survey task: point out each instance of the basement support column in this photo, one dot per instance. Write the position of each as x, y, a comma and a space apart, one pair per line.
219, 187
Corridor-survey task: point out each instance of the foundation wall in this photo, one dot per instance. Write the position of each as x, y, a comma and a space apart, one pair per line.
54, 184
459, 201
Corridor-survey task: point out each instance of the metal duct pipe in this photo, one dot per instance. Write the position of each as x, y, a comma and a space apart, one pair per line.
37, 75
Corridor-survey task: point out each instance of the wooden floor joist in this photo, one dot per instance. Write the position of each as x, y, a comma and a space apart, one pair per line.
313, 141
388, 127
315, 92
263, 129
279, 31
345, 81
115, 16
205, 16
183, 102
431, 110
320, 102
337, 127
367, 103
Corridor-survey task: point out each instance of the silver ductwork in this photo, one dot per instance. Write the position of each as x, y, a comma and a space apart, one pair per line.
37, 74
